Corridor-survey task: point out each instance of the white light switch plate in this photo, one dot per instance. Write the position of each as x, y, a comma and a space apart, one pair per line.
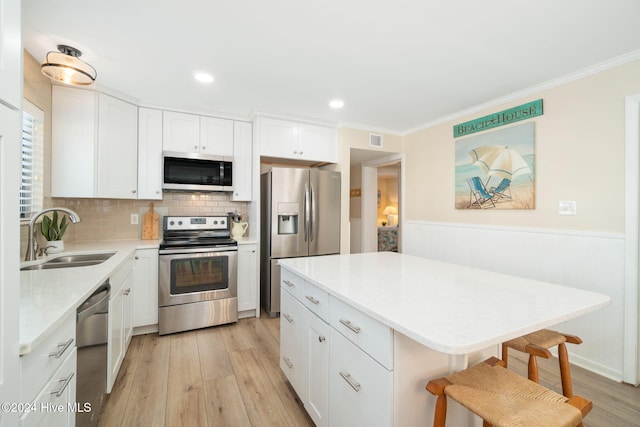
567, 207
134, 218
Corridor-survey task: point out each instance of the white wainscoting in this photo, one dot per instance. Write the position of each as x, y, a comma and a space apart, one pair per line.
585, 260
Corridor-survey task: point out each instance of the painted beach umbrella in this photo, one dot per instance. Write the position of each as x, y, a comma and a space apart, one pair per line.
500, 161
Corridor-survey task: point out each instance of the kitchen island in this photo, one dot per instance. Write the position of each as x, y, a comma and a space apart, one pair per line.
430, 318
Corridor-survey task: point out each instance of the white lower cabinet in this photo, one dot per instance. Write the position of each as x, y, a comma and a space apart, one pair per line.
48, 384
120, 320
352, 358
248, 282
145, 288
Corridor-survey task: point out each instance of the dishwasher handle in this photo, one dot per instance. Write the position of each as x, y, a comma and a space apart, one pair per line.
94, 303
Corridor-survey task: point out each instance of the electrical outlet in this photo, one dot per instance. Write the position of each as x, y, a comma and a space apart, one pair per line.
567, 207
134, 218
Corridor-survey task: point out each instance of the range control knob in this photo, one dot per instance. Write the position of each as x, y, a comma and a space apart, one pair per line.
222, 222
215, 222
179, 222
171, 223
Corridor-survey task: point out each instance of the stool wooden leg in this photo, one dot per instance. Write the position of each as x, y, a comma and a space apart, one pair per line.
565, 370
436, 387
533, 368
440, 417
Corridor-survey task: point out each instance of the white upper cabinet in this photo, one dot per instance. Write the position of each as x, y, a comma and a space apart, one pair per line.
10, 54
300, 141
94, 145
216, 136
242, 161
149, 154
73, 140
180, 132
189, 133
117, 148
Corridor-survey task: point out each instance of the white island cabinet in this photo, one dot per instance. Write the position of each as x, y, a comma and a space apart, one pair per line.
397, 321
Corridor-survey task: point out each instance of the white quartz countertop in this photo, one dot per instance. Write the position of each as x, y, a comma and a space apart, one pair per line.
47, 297
446, 307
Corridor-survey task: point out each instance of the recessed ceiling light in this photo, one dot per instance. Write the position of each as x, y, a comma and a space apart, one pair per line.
203, 77
336, 103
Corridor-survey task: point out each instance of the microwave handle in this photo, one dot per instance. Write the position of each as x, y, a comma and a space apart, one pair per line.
221, 173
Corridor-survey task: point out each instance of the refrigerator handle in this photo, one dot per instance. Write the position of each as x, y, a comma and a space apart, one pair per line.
306, 209
313, 213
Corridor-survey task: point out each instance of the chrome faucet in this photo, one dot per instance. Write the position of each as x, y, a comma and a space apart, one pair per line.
31, 240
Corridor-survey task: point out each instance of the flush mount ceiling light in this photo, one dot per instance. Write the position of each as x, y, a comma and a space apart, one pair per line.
203, 77
336, 104
66, 66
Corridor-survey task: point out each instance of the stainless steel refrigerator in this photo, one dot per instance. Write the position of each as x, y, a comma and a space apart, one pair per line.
300, 216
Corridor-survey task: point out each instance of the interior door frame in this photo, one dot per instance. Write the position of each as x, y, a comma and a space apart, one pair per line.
370, 200
631, 362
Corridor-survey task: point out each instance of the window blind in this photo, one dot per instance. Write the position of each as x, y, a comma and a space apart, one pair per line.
31, 191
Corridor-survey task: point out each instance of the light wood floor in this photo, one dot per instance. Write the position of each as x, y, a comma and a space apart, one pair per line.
229, 376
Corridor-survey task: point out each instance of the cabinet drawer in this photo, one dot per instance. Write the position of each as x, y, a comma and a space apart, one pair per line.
316, 300
361, 389
373, 337
38, 366
51, 407
292, 283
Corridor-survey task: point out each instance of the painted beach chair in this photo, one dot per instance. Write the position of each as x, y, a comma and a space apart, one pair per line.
478, 194
502, 191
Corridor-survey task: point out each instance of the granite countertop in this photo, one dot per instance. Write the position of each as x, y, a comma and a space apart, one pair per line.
47, 297
447, 307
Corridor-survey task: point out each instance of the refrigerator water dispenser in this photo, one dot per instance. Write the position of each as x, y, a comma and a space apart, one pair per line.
287, 218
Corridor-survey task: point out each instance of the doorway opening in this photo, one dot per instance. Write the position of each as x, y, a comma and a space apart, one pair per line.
376, 197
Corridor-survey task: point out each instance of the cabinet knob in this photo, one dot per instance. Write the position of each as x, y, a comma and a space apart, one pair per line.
321, 338
136, 257
295, 151
157, 191
195, 146
204, 148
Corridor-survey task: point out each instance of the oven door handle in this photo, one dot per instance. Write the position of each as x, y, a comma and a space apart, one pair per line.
198, 250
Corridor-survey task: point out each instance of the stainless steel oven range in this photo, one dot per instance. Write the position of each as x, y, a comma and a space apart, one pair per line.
197, 276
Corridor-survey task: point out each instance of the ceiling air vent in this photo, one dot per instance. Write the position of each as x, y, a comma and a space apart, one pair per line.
375, 140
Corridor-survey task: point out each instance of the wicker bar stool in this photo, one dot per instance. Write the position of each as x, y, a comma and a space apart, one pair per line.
503, 398
538, 344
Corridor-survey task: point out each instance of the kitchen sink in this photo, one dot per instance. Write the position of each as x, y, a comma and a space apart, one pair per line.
67, 261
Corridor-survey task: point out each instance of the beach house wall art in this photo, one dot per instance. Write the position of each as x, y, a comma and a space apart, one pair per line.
496, 169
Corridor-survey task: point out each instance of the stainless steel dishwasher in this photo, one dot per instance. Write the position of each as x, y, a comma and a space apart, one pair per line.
92, 330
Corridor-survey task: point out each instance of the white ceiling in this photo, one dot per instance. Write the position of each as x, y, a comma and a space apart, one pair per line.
396, 64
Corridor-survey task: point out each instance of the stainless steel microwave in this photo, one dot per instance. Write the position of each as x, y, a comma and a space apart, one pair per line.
196, 172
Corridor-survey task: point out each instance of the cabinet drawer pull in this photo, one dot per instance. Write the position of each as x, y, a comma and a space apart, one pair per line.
347, 377
63, 347
127, 291
289, 318
312, 299
65, 382
288, 362
288, 283
348, 324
